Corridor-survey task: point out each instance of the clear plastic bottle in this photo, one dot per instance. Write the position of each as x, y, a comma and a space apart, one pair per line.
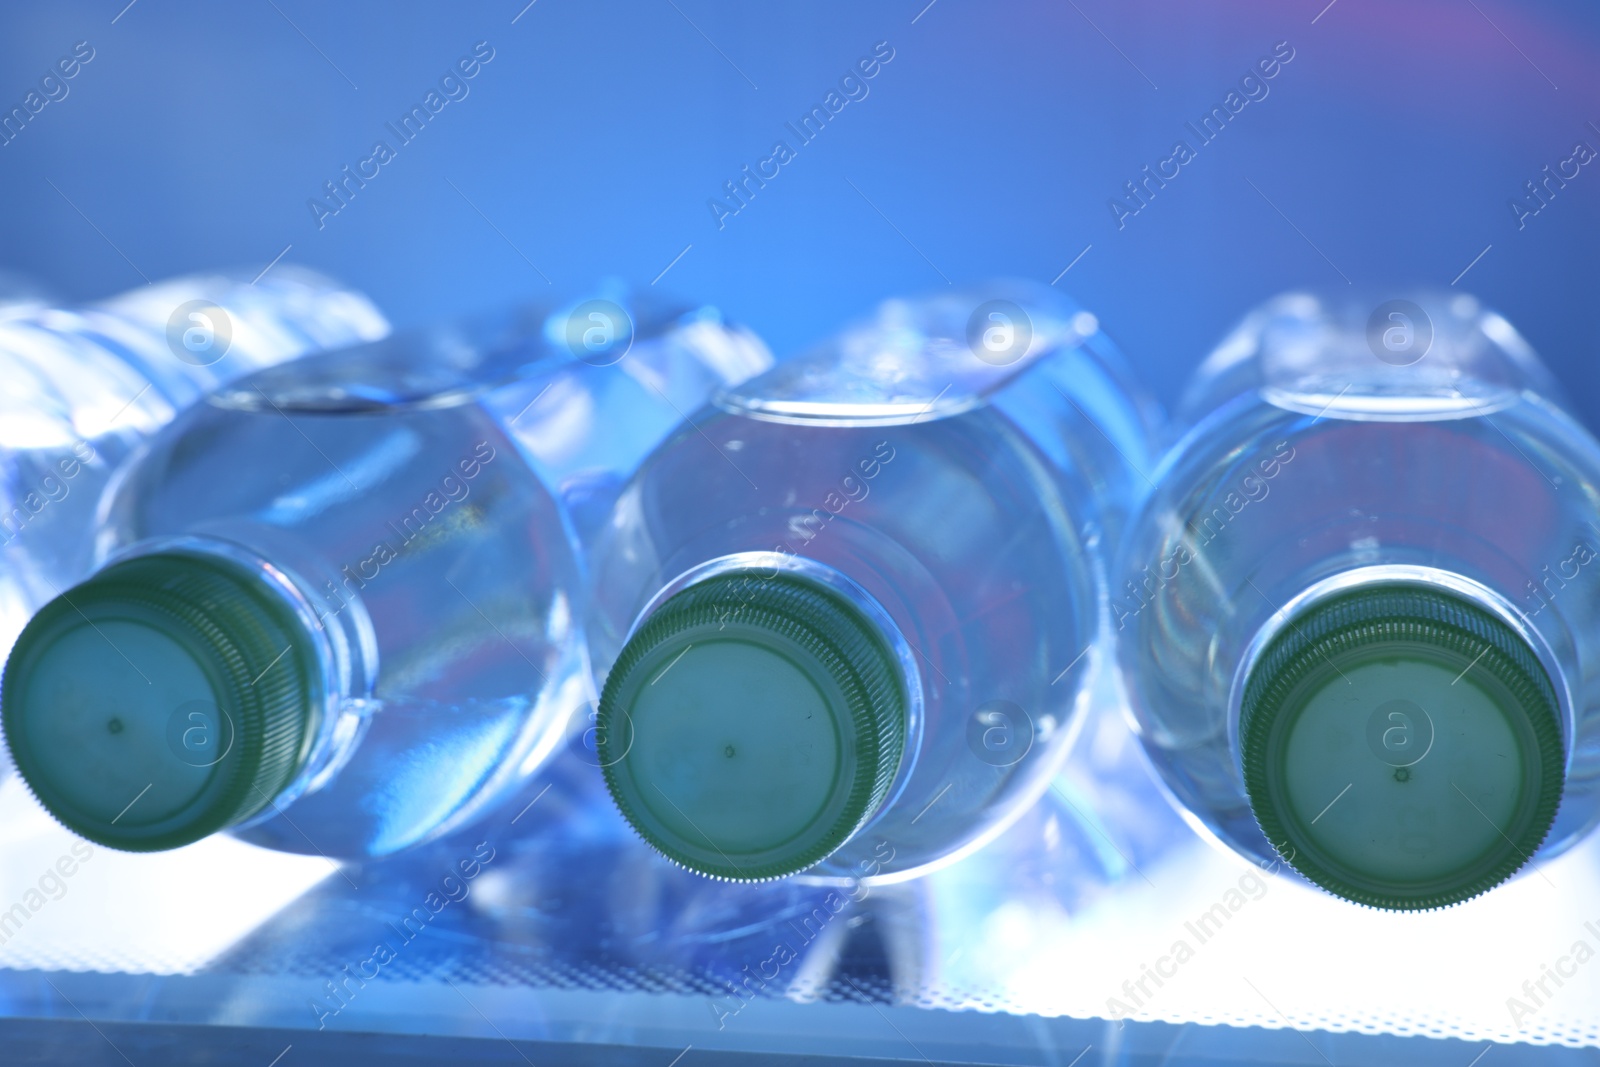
341, 613
1357, 617
81, 388
847, 617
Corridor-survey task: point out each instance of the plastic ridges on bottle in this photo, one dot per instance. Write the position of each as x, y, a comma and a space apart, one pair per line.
208, 634
1401, 628
665, 712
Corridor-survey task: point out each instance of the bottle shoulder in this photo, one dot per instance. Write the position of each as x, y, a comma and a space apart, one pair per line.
1526, 428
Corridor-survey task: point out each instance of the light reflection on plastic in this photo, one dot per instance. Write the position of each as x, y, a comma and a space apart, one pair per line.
166, 913
1324, 963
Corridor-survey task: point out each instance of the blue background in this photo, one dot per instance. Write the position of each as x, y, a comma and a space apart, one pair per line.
1386, 153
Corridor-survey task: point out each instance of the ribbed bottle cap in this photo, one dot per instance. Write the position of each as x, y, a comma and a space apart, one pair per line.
1402, 747
164, 699
752, 725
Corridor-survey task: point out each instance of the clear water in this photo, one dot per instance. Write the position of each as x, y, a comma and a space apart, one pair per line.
80, 389
403, 488
898, 459
1309, 464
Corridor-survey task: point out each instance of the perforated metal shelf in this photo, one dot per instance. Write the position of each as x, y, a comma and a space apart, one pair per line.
572, 939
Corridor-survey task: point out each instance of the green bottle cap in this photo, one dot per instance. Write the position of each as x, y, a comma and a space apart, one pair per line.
752, 725
1402, 747
166, 698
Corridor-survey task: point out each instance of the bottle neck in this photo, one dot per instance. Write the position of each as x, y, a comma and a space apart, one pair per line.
334, 624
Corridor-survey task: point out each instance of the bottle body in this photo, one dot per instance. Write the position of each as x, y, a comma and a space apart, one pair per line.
1316, 466
82, 388
885, 467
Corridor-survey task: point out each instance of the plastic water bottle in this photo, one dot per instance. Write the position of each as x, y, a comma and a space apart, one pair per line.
81, 388
1357, 618
846, 618
341, 613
